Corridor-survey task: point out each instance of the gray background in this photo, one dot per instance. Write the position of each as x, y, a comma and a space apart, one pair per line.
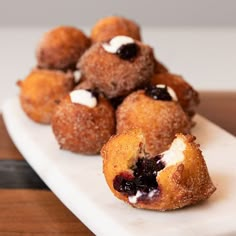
149, 12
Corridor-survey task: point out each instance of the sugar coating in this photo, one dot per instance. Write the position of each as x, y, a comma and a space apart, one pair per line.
83, 97
113, 76
40, 92
185, 183
61, 47
116, 43
159, 120
111, 26
81, 129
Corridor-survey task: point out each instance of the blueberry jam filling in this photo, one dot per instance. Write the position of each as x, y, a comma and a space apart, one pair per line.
143, 178
158, 93
128, 51
125, 183
94, 93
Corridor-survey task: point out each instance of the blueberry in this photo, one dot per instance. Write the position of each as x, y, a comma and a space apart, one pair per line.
128, 51
158, 93
121, 183
94, 93
143, 179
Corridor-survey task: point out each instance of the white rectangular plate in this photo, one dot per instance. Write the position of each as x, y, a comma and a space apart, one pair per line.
78, 182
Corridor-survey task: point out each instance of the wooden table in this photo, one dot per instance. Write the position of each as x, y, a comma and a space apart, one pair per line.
27, 207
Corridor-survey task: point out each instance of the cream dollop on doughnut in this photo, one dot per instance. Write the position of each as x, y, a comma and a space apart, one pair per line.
83, 97
116, 43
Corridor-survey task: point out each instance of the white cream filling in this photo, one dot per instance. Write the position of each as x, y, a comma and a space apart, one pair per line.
170, 157
152, 193
134, 199
83, 97
116, 43
175, 154
77, 76
169, 90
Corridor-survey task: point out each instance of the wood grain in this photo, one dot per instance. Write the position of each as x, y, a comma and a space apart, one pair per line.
32, 212
20, 175
36, 212
7, 148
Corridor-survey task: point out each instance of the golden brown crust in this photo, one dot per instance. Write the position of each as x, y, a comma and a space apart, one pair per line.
41, 91
187, 96
85, 84
113, 76
112, 26
119, 154
160, 67
61, 47
159, 120
185, 183
181, 184
81, 129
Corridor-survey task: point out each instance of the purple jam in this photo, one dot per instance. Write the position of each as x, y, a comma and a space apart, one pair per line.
94, 93
143, 178
158, 93
128, 51
124, 184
